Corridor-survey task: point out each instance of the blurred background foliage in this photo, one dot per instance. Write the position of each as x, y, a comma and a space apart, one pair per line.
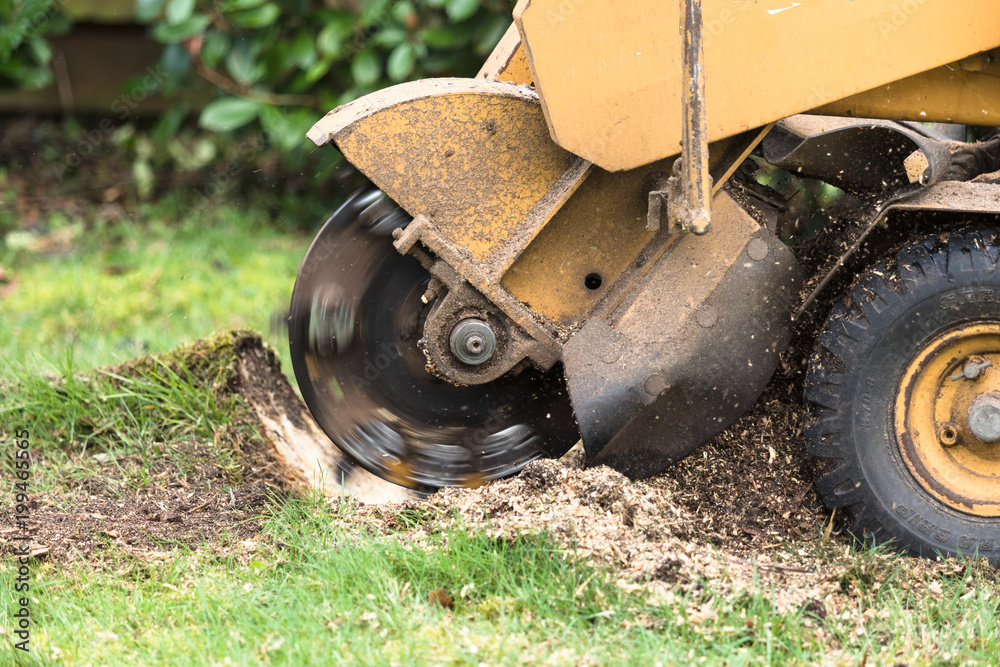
279, 64
262, 72
25, 56
134, 217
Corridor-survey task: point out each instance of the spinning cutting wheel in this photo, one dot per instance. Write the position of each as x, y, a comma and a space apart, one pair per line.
355, 326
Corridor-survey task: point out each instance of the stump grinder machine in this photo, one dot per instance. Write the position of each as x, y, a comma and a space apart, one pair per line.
572, 245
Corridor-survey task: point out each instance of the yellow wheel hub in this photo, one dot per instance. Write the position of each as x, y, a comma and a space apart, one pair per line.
947, 418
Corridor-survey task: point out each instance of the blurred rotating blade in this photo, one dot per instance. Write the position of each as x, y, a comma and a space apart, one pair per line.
355, 321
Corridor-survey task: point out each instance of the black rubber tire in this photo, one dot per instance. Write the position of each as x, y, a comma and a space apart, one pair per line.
893, 311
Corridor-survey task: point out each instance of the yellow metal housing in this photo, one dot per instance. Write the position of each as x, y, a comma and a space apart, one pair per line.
964, 92
609, 75
473, 157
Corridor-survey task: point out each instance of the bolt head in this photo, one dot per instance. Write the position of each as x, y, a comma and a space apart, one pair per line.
473, 341
983, 418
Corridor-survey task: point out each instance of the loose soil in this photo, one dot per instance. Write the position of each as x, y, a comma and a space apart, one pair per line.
194, 495
749, 489
743, 505
147, 524
739, 513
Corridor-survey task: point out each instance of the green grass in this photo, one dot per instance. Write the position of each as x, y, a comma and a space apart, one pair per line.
322, 587
133, 413
147, 283
99, 409
328, 595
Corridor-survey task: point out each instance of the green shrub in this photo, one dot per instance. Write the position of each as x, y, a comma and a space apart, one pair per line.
24, 53
280, 64
276, 66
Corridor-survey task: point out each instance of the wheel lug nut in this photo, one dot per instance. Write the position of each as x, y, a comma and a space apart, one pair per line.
972, 368
948, 434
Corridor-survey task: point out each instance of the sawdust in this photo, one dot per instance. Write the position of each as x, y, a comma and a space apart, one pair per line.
738, 510
657, 538
748, 490
751, 487
740, 515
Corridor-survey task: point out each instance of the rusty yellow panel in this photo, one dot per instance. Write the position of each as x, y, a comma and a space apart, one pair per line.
474, 157
507, 62
609, 73
948, 94
597, 233
516, 69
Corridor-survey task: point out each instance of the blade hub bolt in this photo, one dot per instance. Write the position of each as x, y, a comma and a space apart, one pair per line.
473, 342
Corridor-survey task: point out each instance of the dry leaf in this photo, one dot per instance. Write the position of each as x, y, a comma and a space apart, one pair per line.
442, 598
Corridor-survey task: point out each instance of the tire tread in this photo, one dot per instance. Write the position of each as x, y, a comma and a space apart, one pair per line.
878, 297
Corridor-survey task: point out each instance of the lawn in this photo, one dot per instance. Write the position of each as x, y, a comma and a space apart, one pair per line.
161, 536
160, 541
101, 291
